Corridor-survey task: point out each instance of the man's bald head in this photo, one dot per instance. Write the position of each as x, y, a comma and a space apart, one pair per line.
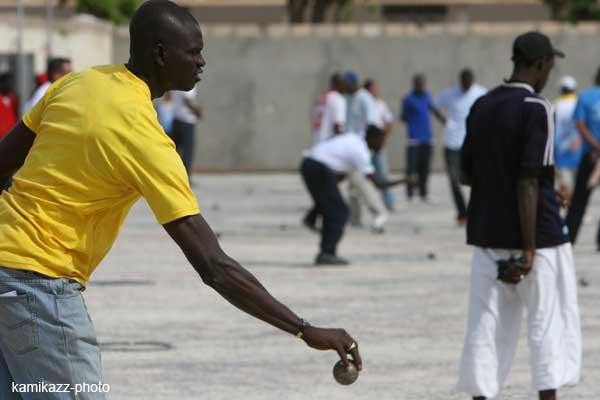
165, 46
157, 21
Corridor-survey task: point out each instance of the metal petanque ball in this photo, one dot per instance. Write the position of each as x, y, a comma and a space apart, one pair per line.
343, 375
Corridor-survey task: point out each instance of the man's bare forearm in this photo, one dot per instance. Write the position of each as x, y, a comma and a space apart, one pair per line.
227, 277
14, 149
527, 195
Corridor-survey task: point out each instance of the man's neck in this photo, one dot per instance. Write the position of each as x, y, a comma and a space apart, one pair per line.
135, 69
523, 77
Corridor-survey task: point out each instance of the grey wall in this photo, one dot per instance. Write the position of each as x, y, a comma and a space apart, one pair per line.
259, 84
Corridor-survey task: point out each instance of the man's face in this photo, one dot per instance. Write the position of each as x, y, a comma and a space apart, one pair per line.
374, 89
544, 73
65, 68
466, 81
419, 85
183, 60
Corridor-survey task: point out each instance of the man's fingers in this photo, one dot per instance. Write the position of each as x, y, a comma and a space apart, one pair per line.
356, 358
343, 356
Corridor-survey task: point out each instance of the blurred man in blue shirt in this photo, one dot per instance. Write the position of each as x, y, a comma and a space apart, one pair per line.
414, 111
587, 120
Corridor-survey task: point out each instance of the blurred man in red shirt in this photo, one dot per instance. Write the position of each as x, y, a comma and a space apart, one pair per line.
8, 106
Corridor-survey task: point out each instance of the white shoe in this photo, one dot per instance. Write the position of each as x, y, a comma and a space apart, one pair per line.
379, 222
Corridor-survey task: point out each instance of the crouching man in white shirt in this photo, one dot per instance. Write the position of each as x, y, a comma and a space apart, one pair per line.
324, 166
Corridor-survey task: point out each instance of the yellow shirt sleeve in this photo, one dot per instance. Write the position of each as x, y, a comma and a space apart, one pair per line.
151, 165
34, 117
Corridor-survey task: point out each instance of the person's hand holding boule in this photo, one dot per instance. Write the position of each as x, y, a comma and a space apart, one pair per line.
333, 339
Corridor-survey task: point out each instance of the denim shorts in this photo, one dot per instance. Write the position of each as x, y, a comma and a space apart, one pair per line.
48, 346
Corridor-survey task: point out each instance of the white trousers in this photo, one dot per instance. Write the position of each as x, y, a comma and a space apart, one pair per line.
549, 297
361, 189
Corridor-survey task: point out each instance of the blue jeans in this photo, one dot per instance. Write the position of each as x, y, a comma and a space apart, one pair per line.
380, 164
183, 135
418, 161
46, 337
322, 184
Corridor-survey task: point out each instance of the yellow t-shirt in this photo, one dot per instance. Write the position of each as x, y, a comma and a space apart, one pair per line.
98, 148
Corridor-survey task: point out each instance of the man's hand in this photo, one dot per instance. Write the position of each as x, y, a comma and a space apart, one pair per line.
514, 270
333, 339
563, 195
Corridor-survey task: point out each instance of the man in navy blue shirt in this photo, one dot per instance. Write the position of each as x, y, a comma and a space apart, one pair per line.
414, 111
508, 160
587, 120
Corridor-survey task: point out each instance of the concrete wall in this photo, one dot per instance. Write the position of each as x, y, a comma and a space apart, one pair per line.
86, 40
260, 83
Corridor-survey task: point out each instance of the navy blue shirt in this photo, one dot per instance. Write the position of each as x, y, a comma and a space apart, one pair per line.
510, 133
415, 111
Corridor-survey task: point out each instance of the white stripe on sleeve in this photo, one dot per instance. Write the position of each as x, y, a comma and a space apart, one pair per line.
549, 150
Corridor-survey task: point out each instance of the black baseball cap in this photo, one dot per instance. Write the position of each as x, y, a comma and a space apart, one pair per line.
532, 46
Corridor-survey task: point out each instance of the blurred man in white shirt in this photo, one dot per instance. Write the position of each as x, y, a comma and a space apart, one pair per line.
326, 164
187, 114
456, 102
57, 68
384, 119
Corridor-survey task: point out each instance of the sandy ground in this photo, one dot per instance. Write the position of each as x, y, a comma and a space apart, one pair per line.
167, 336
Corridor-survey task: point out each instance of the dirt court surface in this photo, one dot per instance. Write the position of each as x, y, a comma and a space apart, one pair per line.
404, 298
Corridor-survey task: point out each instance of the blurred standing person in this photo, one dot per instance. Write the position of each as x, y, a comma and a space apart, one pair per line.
187, 114
383, 120
414, 112
165, 111
56, 69
568, 141
587, 120
361, 113
456, 101
329, 119
9, 107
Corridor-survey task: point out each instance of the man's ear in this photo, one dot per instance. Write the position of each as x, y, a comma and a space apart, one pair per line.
539, 64
159, 54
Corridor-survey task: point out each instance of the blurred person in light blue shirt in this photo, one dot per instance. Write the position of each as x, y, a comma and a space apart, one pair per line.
587, 120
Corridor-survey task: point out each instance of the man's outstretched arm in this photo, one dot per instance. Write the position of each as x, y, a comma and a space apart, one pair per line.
13, 150
243, 290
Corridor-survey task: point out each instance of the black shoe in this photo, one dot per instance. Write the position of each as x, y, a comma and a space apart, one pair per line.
330, 259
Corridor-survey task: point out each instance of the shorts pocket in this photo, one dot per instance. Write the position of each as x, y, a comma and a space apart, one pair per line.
18, 324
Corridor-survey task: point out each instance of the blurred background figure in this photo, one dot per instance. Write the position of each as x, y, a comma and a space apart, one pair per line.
456, 102
165, 110
57, 68
587, 120
567, 140
329, 115
414, 112
362, 111
384, 120
9, 105
187, 114
9, 112
329, 119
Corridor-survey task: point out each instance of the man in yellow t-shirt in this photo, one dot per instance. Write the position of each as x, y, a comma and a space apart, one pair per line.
85, 154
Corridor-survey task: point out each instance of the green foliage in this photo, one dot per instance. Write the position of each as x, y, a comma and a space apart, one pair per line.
117, 11
575, 10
